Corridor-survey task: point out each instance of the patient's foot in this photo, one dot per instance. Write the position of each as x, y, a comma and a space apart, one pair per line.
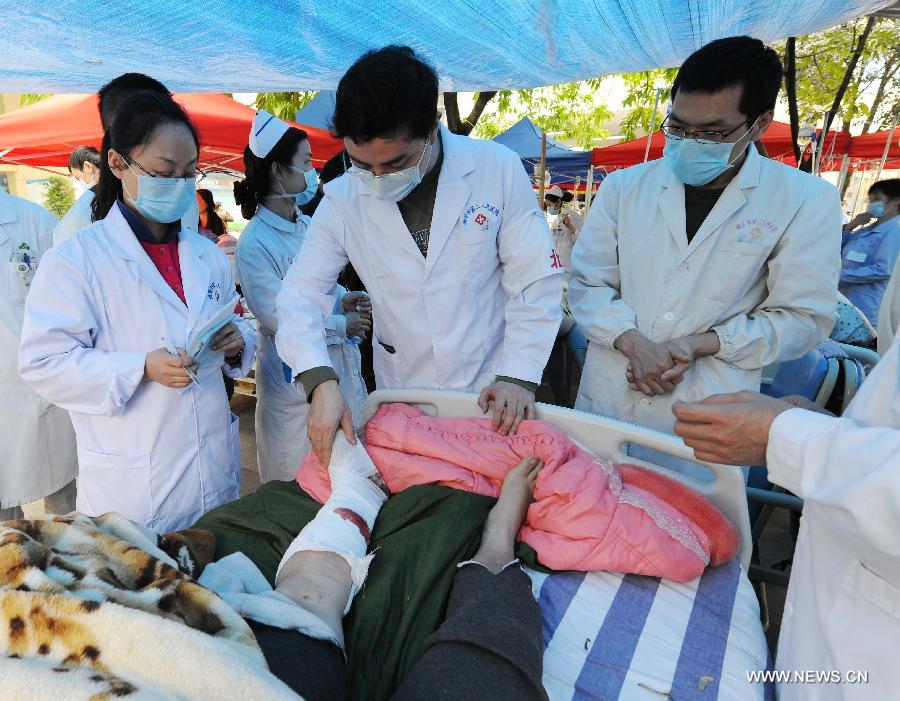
498, 538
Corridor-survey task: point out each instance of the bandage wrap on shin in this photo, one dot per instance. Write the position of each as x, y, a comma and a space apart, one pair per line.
344, 523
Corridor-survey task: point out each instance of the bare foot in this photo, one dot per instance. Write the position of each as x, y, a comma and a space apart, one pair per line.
498, 538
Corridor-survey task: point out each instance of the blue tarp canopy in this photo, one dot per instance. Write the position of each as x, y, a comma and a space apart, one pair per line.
563, 164
72, 46
318, 111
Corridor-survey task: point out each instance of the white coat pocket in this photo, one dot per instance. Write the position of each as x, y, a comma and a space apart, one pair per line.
740, 266
386, 366
866, 615
480, 258
118, 483
18, 276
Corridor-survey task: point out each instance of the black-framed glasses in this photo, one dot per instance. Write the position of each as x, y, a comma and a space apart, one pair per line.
197, 176
703, 137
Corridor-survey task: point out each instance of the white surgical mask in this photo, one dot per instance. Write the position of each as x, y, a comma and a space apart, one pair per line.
164, 200
697, 163
80, 187
393, 186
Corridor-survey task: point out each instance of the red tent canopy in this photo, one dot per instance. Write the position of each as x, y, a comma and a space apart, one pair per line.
870, 147
777, 142
45, 133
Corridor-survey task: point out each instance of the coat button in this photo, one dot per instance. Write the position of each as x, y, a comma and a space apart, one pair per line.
669, 316
645, 402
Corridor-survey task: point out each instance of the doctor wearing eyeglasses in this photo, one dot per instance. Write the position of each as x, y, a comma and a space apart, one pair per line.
446, 235
696, 270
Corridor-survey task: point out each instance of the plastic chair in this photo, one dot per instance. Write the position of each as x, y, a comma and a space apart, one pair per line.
814, 376
865, 356
854, 374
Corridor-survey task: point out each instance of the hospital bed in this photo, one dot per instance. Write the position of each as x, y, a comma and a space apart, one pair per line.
633, 638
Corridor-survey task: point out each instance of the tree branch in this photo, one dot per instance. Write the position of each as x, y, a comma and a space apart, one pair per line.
891, 65
480, 103
790, 87
848, 75
451, 109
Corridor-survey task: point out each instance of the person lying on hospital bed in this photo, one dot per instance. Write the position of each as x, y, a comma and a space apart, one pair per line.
492, 624
77, 617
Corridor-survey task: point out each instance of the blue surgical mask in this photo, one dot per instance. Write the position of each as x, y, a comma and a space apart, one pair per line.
698, 163
312, 186
164, 200
393, 186
876, 209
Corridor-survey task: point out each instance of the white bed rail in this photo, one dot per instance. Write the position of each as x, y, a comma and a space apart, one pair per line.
605, 438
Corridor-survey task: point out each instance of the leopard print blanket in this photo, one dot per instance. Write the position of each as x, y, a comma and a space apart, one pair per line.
95, 609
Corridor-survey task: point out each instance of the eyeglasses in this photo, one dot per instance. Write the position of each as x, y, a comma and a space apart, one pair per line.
703, 137
360, 170
197, 176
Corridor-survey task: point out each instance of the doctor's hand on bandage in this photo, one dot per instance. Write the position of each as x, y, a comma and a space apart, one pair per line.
328, 411
511, 404
168, 370
230, 340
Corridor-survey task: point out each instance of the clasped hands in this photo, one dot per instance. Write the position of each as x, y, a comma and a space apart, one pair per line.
657, 368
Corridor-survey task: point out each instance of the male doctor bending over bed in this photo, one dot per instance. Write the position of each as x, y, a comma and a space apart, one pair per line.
446, 235
843, 602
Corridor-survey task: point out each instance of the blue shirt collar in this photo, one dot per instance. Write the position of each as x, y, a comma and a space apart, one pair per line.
140, 230
275, 221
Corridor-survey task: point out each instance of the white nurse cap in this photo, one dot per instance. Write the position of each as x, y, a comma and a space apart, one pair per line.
267, 129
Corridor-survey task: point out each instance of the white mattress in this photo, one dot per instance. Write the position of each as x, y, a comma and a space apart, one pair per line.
631, 638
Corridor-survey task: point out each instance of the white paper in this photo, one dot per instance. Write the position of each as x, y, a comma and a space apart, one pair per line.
199, 347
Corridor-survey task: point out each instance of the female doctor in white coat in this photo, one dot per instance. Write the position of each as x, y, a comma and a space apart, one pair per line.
104, 307
280, 177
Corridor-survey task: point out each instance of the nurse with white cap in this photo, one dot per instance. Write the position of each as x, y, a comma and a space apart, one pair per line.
279, 178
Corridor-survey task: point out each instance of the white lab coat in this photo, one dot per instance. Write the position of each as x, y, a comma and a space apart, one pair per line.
842, 610
77, 218
265, 253
98, 305
37, 444
563, 239
485, 301
889, 314
761, 272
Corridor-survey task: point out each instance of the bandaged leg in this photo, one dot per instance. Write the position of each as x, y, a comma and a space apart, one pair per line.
326, 564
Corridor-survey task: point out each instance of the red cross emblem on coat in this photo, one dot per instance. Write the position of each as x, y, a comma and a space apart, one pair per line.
555, 262
480, 219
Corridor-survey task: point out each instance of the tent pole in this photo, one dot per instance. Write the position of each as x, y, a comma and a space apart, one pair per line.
575, 192
845, 165
589, 190
652, 124
887, 145
543, 169
862, 179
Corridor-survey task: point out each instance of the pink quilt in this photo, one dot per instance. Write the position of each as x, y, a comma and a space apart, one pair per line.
588, 514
